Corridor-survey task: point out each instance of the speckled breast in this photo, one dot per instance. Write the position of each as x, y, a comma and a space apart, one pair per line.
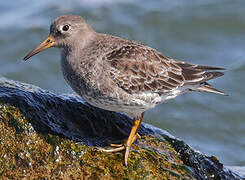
93, 84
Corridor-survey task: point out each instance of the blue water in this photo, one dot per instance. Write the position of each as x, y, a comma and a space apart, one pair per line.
208, 32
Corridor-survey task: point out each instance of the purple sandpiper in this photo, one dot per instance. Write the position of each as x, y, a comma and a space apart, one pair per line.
121, 75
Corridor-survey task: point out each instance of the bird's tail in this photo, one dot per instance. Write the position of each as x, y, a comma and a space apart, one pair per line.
197, 75
205, 87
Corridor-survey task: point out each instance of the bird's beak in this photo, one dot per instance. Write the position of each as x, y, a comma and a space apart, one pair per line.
49, 42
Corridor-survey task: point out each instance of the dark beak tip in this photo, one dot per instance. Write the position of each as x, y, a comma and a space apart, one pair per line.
26, 58
49, 42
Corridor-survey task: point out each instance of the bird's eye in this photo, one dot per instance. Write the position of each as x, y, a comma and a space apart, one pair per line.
65, 28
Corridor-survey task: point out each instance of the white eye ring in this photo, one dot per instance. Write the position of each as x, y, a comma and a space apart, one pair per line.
65, 27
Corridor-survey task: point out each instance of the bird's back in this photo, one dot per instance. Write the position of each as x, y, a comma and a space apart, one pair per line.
138, 68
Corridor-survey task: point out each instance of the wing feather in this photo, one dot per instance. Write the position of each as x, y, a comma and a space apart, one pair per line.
137, 68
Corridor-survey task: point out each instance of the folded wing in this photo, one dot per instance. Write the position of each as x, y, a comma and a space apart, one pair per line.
137, 69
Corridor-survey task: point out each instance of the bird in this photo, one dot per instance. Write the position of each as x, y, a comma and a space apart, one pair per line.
121, 75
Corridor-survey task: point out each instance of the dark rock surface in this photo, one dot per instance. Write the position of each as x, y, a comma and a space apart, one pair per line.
44, 135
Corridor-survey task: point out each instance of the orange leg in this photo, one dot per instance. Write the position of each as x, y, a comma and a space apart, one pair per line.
136, 136
132, 137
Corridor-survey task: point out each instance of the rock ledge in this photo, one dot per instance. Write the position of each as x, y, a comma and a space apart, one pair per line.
44, 135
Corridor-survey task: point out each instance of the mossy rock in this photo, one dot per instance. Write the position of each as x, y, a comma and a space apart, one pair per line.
48, 136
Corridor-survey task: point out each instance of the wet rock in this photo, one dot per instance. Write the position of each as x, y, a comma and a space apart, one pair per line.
44, 135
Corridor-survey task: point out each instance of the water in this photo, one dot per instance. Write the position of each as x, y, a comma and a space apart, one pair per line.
210, 32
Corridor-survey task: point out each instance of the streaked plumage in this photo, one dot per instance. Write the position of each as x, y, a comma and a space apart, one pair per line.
121, 75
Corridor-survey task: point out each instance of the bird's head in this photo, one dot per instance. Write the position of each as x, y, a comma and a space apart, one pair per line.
65, 31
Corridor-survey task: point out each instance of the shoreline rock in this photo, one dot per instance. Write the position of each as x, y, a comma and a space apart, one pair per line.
44, 135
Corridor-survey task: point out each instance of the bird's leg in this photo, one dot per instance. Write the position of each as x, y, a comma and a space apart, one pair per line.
120, 147
136, 136
132, 137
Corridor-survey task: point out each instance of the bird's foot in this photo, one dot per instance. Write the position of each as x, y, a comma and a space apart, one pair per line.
116, 145
131, 138
136, 136
120, 147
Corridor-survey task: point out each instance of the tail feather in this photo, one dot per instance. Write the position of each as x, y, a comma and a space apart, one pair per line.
186, 65
211, 75
201, 77
197, 75
208, 88
209, 68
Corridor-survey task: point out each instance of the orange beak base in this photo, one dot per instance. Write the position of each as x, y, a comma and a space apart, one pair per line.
47, 43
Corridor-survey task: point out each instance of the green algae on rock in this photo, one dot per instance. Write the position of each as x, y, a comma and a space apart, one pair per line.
26, 153
50, 136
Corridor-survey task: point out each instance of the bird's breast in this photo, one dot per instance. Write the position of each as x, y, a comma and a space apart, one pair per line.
85, 76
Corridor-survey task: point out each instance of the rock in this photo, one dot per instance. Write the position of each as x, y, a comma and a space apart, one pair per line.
49, 136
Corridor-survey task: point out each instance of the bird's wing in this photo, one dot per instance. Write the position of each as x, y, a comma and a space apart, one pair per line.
137, 69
